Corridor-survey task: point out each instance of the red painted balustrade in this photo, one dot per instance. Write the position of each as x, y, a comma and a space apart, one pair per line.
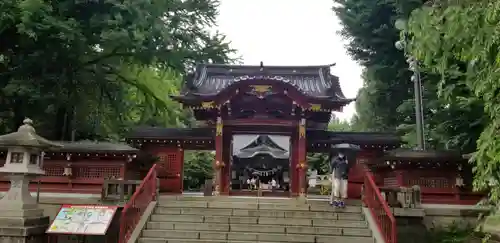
135, 207
87, 176
437, 186
379, 209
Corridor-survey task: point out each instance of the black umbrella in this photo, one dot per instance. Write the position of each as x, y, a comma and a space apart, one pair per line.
346, 148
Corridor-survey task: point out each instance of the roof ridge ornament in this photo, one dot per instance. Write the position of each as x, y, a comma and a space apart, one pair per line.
27, 126
26, 136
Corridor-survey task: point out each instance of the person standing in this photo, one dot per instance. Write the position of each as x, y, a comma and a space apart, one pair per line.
249, 185
339, 167
253, 183
274, 185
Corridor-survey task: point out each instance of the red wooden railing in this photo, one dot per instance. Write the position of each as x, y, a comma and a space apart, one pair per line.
379, 209
135, 207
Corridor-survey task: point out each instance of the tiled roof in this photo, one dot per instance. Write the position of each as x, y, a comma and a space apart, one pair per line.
171, 133
428, 155
94, 146
359, 138
314, 81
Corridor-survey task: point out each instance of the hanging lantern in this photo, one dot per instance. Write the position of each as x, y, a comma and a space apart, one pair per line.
68, 171
459, 181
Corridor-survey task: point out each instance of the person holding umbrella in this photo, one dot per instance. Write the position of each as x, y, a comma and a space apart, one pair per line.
339, 167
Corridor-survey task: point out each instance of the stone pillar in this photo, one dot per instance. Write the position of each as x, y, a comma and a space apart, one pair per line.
18, 197
302, 158
21, 221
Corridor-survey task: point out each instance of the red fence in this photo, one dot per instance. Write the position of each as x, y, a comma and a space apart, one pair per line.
379, 209
135, 207
437, 186
87, 176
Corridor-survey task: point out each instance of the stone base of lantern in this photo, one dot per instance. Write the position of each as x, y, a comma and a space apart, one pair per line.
18, 198
23, 226
23, 230
21, 220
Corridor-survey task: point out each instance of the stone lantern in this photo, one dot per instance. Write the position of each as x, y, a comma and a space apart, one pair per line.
18, 207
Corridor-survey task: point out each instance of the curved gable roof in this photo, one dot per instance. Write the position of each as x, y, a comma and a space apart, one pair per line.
314, 81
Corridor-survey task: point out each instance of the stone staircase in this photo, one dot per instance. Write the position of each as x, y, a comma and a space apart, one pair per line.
244, 220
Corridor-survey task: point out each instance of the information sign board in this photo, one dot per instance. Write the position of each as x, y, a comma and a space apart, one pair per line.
82, 220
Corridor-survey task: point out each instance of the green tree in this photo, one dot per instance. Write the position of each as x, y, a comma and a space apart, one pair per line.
81, 65
368, 28
338, 125
386, 101
459, 41
93, 69
197, 168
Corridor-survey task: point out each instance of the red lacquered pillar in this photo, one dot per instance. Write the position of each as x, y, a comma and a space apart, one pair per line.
218, 163
302, 158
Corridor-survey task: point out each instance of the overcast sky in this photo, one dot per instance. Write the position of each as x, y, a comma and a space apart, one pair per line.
290, 32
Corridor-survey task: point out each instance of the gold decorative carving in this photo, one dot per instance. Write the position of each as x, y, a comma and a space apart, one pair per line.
219, 164
218, 127
315, 107
261, 88
302, 131
208, 105
261, 91
302, 128
302, 165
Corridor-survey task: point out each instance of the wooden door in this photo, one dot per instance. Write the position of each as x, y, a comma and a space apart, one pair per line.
171, 171
356, 176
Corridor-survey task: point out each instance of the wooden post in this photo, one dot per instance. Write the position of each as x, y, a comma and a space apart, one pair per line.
218, 163
302, 158
226, 158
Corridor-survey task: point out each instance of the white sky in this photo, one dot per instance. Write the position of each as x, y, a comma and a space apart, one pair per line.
290, 32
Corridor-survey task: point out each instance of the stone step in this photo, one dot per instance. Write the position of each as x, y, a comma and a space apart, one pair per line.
260, 228
250, 237
323, 207
22, 230
163, 240
352, 202
346, 214
266, 221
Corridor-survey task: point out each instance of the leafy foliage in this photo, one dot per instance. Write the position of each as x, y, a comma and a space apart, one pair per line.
368, 28
386, 101
197, 169
452, 234
460, 41
93, 69
87, 68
